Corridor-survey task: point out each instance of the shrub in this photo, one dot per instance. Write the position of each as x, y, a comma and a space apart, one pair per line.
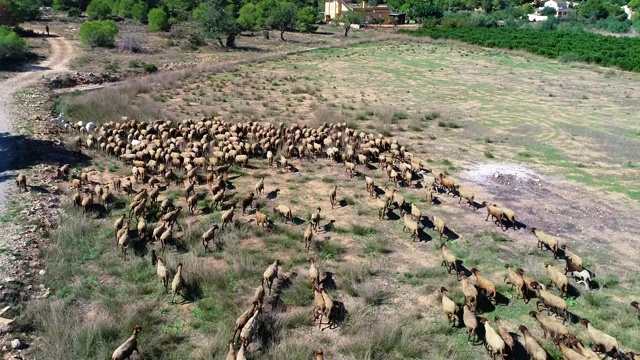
150, 68
158, 20
98, 33
548, 11
130, 43
612, 24
74, 12
12, 46
567, 58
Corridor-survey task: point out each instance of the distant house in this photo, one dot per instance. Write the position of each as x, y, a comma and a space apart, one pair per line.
334, 8
562, 8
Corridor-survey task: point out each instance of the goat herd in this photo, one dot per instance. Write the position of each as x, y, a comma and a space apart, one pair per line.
202, 152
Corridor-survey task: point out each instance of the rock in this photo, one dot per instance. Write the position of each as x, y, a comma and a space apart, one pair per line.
16, 344
42, 272
5, 328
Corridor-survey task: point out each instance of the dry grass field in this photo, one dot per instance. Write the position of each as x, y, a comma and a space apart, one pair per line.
563, 137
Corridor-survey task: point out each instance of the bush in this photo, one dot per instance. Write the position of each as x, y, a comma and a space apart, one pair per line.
548, 11
567, 58
98, 33
612, 24
158, 20
131, 44
150, 68
12, 46
74, 12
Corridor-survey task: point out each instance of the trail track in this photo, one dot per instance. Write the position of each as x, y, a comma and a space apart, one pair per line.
61, 52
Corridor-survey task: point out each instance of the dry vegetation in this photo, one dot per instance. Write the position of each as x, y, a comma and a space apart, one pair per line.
447, 106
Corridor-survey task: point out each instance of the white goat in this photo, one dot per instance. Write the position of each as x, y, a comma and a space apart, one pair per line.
59, 121
90, 127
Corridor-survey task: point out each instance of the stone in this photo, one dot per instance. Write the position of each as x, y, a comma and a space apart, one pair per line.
42, 272
16, 344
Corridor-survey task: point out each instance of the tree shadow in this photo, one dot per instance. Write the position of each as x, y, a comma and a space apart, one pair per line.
18, 152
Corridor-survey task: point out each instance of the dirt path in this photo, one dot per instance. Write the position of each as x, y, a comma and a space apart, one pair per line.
61, 52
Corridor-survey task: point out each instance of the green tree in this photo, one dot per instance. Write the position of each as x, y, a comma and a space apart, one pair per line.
634, 5
216, 22
124, 8
180, 9
139, 12
12, 46
19, 11
593, 10
349, 18
98, 33
158, 20
248, 17
263, 8
307, 17
70, 4
282, 18
548, 11
99, 9
424, 10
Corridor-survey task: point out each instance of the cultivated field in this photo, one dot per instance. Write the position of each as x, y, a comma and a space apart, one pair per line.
564, 139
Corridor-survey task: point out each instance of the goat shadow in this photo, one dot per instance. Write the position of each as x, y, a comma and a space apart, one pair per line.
519, 351
573, 291
450, 234
338, 315
297, 221
140, 248
423, 236
371, 167
378, 191
484, 303
38, 189
342, 203
391, 215
462, 269
328, 282
477, 205
501, 299
273, 194
192, 291
426, 223
328, 227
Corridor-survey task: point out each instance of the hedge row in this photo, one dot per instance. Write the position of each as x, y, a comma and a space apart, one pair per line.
620, 52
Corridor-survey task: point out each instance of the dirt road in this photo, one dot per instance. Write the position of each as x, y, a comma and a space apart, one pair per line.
61, 52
